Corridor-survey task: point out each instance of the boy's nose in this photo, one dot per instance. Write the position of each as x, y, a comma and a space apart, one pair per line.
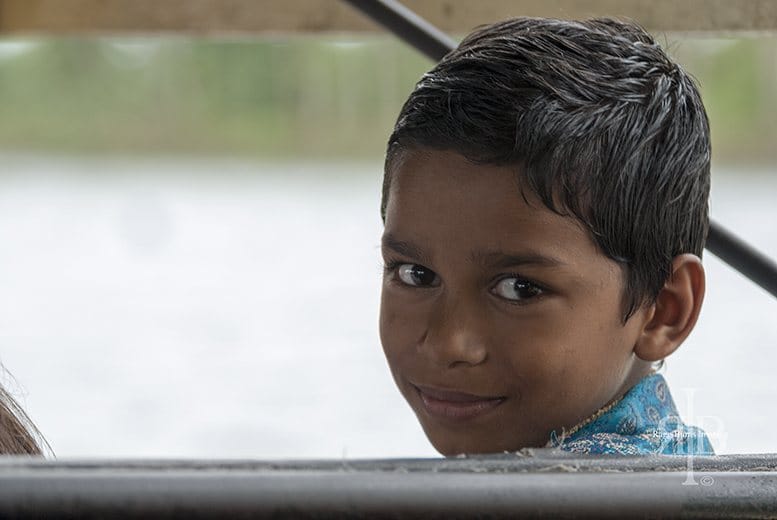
456, 335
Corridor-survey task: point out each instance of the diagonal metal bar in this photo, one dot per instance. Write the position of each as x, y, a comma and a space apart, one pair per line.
742, 257
408, 26
434, 44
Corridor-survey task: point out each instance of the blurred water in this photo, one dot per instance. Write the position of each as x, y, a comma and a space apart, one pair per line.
218, 309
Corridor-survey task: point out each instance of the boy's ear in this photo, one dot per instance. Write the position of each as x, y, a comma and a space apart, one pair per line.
675, 311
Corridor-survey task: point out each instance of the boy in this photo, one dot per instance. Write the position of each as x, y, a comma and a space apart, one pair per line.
545, 210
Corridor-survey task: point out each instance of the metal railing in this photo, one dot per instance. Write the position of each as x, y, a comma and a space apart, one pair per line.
537, 483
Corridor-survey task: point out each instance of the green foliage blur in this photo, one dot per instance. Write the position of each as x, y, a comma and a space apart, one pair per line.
298, 98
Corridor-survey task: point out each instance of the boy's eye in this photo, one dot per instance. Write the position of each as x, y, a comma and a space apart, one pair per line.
417, 275
516, 289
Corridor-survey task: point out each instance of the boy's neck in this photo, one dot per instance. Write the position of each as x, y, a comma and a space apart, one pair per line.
640, 370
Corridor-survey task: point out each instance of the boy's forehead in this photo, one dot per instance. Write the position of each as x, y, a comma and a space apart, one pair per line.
444, 185
439, 179
441, 197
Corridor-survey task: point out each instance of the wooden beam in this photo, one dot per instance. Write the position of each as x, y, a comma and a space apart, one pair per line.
177, 16
255, 17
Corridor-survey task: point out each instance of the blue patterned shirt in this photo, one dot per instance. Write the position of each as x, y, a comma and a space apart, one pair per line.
643, 422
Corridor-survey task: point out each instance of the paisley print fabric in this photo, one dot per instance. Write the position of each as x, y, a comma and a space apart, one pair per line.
643, 422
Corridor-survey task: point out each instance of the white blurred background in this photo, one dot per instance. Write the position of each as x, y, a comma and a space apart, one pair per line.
215, 294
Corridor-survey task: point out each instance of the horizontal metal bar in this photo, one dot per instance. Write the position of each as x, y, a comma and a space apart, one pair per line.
416, 32
544, 485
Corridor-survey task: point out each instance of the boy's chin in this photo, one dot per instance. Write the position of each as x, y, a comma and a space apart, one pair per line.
451, 444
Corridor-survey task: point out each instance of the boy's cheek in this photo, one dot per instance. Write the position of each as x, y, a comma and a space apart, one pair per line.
401, 326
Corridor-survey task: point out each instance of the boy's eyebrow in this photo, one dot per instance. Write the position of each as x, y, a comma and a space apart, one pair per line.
492, 259
404, 248
501, 259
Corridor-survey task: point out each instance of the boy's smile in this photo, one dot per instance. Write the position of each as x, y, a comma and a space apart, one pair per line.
500, 319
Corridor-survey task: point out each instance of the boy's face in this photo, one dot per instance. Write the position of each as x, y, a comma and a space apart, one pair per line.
500, 320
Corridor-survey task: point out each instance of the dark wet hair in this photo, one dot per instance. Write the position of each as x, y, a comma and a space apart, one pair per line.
600, 123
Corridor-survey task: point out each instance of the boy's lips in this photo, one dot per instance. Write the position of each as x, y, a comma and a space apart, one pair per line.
451, 404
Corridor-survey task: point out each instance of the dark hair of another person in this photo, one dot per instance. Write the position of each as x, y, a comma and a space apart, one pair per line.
599, 122
17, 433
